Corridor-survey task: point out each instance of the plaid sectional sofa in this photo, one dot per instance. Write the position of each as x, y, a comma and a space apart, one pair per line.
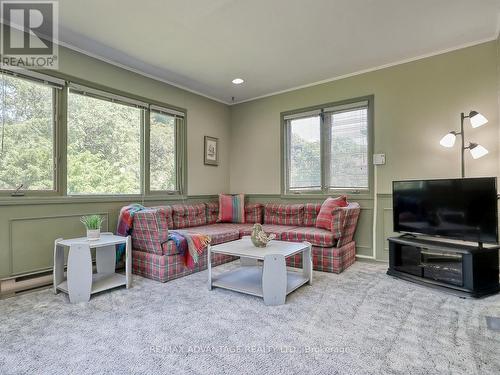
156, 257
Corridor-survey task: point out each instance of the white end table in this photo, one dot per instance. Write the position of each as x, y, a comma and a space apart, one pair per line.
80, 282
271, 281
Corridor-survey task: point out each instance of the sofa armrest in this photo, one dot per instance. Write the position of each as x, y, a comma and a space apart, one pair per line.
344, 222
150, 229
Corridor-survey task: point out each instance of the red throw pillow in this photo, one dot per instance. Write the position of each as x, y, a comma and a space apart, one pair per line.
231, 208
324, 219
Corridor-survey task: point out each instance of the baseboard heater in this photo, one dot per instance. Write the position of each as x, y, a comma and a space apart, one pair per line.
12, 286
15, 285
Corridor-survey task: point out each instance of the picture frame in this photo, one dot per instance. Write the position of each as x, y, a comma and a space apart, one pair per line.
211, 154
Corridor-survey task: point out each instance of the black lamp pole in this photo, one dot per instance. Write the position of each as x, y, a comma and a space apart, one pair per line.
462, 149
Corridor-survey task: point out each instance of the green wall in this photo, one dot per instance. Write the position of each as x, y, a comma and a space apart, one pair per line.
416, 103
204, 116
29, 226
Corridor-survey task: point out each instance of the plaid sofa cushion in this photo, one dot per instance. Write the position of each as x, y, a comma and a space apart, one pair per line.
217, 232
150, 229
346, 217
284, 214
165, 213
253, 213
243, 229
278, 230
192, 215
164, 268
316, 236
212, 212
344, 222
324, 218
169, 248
327, 259
311, 211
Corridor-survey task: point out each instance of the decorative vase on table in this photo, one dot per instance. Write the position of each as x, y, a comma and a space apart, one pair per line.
259, 237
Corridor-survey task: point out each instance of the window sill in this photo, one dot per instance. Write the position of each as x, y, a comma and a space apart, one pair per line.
31, 200
322, 196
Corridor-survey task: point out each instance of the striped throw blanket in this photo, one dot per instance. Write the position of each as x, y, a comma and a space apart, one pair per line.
191, 245
125, 224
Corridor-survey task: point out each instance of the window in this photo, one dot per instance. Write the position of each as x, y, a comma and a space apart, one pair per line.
348, 156
27, 129
63, 138
327, 149
305, 153
162, 151
104, 143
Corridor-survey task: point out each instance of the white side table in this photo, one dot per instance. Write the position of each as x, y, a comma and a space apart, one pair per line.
80, 282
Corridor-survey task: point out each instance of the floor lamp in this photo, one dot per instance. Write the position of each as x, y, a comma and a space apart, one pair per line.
476, 150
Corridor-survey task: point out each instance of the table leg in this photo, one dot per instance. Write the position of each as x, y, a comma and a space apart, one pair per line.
58, 273
307, 266
274, 280
79, 273
209, 266
105, 258
128, 262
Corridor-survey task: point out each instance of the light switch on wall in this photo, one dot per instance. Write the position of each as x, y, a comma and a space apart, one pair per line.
378, 159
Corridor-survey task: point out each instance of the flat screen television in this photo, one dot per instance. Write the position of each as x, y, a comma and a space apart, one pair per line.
461, 208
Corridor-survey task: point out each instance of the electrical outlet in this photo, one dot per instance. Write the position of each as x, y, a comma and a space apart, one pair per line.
378, 159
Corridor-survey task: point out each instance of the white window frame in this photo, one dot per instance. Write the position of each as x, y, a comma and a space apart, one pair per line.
321, 110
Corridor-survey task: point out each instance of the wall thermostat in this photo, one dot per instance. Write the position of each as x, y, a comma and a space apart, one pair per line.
378, 159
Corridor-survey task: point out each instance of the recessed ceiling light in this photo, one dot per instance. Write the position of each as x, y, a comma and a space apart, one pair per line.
238, 81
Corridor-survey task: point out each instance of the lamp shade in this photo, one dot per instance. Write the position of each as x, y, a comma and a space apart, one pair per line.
448, 140
477, 119
477, 151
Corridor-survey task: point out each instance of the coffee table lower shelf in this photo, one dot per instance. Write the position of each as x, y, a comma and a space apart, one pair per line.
249, 280
100, 282
262, 271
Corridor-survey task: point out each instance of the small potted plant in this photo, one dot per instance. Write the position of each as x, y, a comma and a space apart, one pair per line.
93, 224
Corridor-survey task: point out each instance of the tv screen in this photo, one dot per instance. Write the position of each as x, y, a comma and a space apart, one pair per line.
462, 208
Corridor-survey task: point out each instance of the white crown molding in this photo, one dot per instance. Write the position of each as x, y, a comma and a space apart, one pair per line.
332, 79
137, 71
359, 72
72, 47
120, 65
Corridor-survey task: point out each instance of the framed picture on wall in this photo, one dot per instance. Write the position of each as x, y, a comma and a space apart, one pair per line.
211, 151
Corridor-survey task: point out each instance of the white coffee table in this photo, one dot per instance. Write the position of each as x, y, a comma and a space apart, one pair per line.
80, 282
269, 279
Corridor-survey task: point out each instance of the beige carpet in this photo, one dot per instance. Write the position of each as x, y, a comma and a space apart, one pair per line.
358, 322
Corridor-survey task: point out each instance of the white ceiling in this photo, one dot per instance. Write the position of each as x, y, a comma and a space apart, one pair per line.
275, 45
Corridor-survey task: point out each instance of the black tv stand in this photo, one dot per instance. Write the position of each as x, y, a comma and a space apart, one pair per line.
408, 235
465, 270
